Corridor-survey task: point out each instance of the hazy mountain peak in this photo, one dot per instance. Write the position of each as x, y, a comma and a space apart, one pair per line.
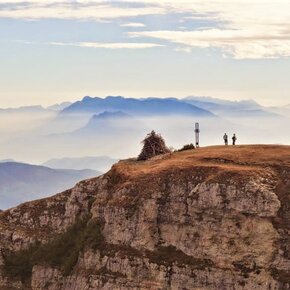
136, 107
59, 107
249, 102
105, 118
115, 98
110, 115
86, 98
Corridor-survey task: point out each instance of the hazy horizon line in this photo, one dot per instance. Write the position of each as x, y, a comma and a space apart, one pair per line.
73, 100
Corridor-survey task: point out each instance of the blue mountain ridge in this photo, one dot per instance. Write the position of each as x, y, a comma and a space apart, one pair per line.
139, 107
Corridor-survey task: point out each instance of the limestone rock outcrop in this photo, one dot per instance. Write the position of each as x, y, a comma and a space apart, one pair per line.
206, 219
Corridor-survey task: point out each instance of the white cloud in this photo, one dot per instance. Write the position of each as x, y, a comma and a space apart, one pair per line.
133, 24
240, 44
118, 45
243, 29
80, 10
239, 28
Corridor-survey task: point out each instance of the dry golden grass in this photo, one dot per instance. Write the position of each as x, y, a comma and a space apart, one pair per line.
237, 158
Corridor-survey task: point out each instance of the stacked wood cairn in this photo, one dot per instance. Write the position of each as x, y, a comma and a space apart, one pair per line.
153, 145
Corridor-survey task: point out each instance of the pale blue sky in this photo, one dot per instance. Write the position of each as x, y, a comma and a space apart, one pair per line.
54, 51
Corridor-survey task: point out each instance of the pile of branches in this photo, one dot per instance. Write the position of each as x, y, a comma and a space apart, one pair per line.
153, 145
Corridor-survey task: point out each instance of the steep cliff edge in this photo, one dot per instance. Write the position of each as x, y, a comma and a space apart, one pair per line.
212, 218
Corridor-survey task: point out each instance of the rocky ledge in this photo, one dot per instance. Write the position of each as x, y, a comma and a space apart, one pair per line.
211, 218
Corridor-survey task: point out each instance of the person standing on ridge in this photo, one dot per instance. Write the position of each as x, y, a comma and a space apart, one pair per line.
226, 139
234, 138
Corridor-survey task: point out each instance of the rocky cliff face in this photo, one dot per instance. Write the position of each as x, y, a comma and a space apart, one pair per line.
212, 218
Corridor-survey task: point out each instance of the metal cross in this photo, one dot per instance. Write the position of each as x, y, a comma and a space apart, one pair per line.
196, 134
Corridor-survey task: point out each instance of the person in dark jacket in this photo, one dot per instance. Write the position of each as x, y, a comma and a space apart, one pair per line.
226, 139
234, 138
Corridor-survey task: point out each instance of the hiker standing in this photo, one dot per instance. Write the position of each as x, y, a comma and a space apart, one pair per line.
226, 139
234, 138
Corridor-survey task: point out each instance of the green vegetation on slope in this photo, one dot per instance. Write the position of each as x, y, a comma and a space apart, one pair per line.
62, 252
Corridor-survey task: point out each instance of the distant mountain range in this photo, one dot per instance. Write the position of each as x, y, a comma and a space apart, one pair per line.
36, 109
100, 163
24, 109
115, 126
192, 105
225, 108
136, 107
20, 182
244, 104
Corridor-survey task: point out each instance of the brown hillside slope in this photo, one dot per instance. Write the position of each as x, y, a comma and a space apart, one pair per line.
211, 218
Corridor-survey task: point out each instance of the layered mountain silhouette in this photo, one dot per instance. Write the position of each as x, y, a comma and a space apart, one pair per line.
24, 109
106, 118
115, 126
246, 108
20, 182
108, 122
139, 107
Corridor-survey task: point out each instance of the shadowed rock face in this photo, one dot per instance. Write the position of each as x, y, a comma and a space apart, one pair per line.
212, 218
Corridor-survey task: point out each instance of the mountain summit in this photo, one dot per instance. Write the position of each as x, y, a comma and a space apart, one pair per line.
210, 218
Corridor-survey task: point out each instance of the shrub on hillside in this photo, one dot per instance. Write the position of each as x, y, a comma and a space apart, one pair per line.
187, 147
